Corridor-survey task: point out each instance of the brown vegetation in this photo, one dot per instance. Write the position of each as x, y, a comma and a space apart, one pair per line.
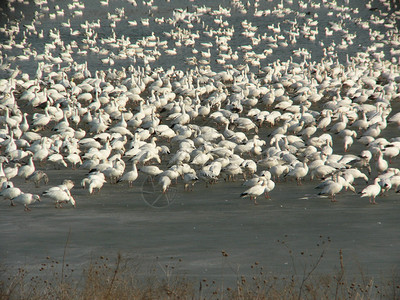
121, 278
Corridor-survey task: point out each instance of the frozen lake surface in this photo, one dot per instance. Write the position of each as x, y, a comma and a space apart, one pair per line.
196, 229
197, 225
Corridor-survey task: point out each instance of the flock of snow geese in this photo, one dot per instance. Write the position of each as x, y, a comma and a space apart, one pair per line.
262, 123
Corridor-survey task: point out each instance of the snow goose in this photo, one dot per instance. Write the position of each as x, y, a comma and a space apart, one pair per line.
165, 182
210, 173
10, 144
299, 171
201, 159
250, 167
363, 160
150, 171
361, 124
11, 172
391, 150
181, 118
395, 181
255, 191
331, 187
18, 155
373, 131
372, 191
27, 170
278, 170
146, 155
39, 121
231, 170
179, 157
25, 199
270, 185
325, 121
115, 171
60, 195
9, 121
322, 171
165, 131
93, 183
74, 159
37, 177
355, 173
9, 191
43, 152
341, 125
235, 137
395, 119
130, 176
173, 172
253, 181
385, 184
381, 164
245, 124
189, 179
205, 110
97, 125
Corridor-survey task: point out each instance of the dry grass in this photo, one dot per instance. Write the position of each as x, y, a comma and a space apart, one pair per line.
120, 278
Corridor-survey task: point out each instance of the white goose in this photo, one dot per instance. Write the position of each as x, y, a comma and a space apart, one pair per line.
130, 176
381, 164
189, 179
165, 182
8, 191
11, 172
299, 171
41, 154
372, 191
269, 187
151, 171
331, 187
60, 195
115, 171
27, 170
391, 150
93, 183
325, 121
25, 199
278, 170
255, 191
39, 121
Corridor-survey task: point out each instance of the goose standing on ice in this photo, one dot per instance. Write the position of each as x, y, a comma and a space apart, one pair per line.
372, 191
37, 177
27, 170
11, 172
325, 121
331, 187
60, 195
255, 191
270, 185
165, 182
94, 182
9, 191
189, 179
381, 163
25, 199
130, 176
299, 171
151, 171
